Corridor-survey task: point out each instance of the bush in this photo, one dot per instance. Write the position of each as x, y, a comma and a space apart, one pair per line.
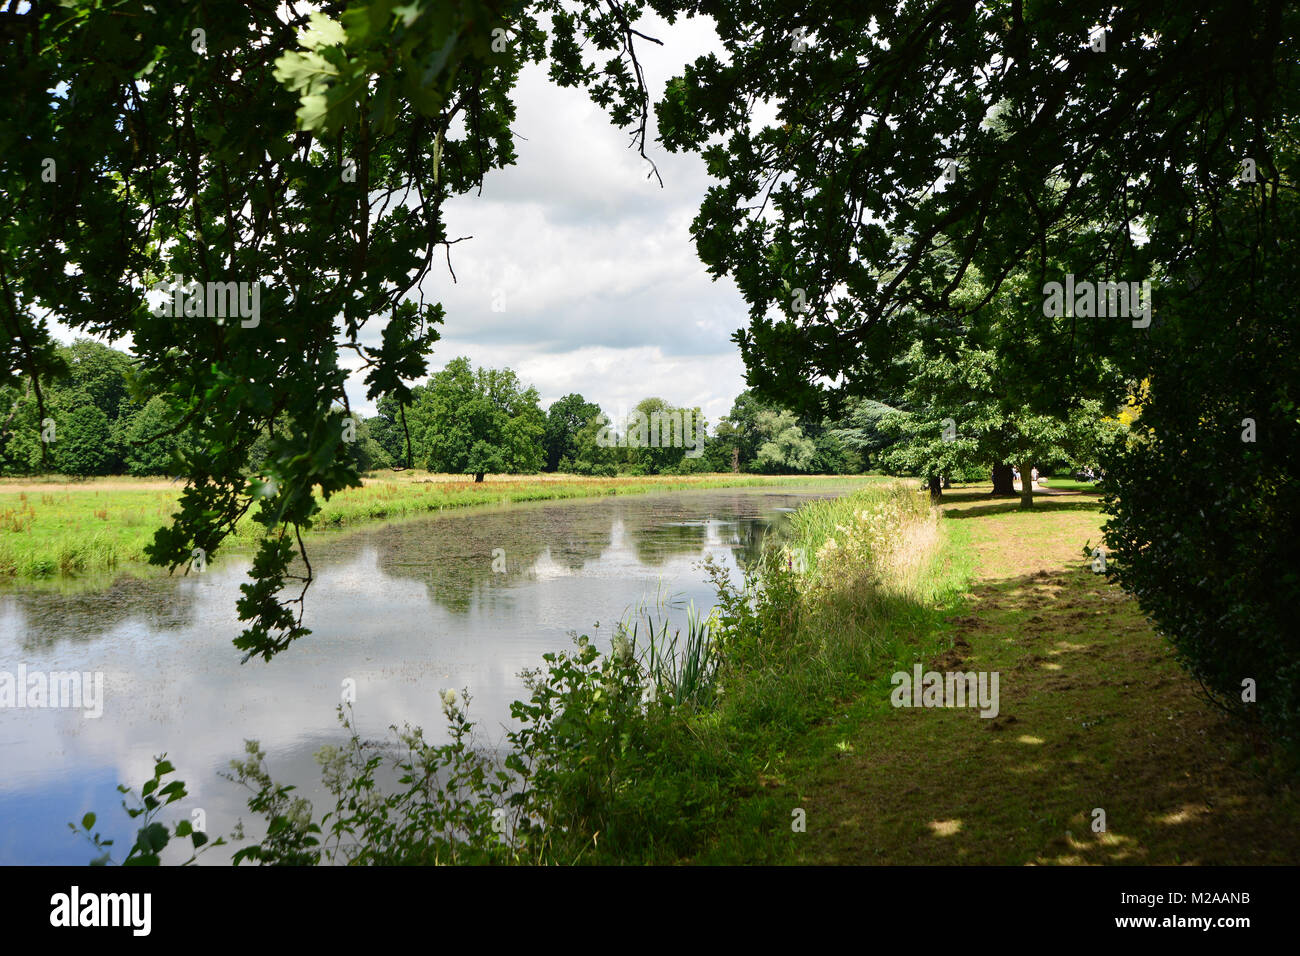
1202, 496
83, 442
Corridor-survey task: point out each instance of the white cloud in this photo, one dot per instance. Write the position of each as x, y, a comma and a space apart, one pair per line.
591, 264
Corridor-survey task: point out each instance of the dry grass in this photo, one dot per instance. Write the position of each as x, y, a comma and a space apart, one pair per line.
871, 553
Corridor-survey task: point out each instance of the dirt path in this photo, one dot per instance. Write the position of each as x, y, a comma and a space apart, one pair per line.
1095, 714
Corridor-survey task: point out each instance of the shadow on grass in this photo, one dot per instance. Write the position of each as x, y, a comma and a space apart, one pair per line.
1175, 778
1007, 506
1095, 713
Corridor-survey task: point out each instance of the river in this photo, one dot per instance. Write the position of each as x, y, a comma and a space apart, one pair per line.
399, 612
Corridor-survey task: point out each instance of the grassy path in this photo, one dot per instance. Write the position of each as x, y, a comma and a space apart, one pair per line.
1095, 713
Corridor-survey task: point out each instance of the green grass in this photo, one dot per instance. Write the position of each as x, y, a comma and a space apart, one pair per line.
860, 613
60, 529
1094, 713
1068, 484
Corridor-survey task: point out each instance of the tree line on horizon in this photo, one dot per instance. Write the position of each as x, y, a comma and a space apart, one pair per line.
100, 420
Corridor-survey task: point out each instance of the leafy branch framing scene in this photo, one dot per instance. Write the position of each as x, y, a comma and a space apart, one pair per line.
840, 433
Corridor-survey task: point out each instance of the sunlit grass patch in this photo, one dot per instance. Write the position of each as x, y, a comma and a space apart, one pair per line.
1095, 714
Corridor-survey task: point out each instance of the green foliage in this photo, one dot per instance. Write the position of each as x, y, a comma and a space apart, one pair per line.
678, 671
757, 618
389, 432
784, 445
1059, 166
764, 437
828, 211
1202, 503
226, 142
98, 371
565, 420
737, 433
83, 442
590, 454
994, 387
858, 428
93, 390
158, 422
476, 422
365, 453
657, 435
152, 837
571, 784
833, 456
21, 449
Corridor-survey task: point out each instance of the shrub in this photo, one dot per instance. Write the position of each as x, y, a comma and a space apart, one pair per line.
83, 444
1201, 497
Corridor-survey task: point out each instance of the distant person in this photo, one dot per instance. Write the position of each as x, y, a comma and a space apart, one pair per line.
1034, 478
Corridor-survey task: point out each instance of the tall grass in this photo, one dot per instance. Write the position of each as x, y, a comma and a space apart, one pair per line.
866, 558
851, 585
678, 670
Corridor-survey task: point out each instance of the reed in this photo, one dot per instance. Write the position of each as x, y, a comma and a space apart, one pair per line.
679, 669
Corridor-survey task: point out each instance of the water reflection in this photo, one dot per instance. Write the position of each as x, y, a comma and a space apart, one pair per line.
460, 599
52, 615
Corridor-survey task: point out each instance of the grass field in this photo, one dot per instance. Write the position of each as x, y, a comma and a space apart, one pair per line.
52, 528
1095, 714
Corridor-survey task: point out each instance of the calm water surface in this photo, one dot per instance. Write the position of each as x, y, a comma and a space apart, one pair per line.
403, 610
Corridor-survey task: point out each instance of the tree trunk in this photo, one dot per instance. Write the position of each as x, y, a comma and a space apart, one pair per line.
1003, 485
1026, 485
936, 488
478, 476
735, 460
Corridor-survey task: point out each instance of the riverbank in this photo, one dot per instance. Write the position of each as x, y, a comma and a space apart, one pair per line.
1094, 714
57, 528
775, 733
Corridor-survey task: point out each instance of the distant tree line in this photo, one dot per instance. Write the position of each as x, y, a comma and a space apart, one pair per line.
100, 420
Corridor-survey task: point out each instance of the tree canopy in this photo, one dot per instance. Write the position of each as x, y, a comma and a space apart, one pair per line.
467, 421
303, 157
915, 144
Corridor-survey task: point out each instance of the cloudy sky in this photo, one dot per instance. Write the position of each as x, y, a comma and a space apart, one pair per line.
581, 274
591, 266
